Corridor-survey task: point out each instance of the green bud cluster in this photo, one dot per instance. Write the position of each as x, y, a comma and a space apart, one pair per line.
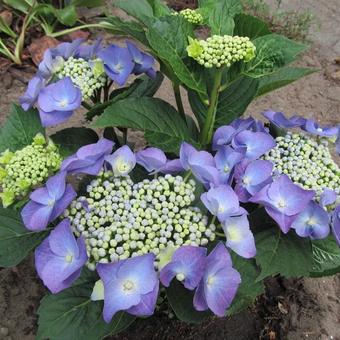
87, 76
191, 15
119, 219
307, 161
218, 51
24, 169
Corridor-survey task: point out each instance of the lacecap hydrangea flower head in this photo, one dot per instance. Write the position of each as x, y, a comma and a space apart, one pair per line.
72, 73
142, 235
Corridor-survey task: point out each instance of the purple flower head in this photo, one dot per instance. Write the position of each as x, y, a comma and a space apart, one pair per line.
143, 62
31, 94
154, 160
122, 161
252, 177
226, 159
203, 167
283, 200
328, 197
89, 159
281, 121
222, 202
57, 102
223, 136
48, 202
239, 236
219, 284
336, 224
129, 285
314, 128
118, 63
60, 257
312, 222
253, 144
187, 265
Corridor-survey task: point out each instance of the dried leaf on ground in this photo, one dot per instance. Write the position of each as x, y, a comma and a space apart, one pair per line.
39, 46
78, 34
7, 16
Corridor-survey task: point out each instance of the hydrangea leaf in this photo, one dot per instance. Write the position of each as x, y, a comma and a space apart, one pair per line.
181, 302
250, 26
19, 128
273, 51
72, 315
162, 124
281, 78
168, 37
71, 139
16, 242
249, 288
326, 257
141, 87
126, 28
288, 255
141, 9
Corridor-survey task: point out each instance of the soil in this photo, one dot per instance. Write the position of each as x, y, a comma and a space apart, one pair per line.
292, 309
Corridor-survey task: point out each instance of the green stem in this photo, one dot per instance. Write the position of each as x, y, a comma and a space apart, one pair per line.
187, 176
179, 102
219, 234
208, 127
73, 29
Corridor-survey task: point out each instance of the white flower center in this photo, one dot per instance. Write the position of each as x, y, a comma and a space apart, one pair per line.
180, 276
226, 168
246, 180
128, 285
63, 103
281, 204
210, 280
69, 258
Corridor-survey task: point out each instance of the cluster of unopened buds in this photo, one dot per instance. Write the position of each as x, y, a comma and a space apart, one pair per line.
218, 51
306, 161
120, 219
26, 168
191, 15
87, 76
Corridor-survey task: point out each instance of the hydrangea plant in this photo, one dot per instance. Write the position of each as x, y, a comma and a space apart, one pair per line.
194, 222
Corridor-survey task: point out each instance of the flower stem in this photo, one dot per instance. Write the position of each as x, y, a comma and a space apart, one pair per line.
73, 29
187, 176
179, 102
208, 127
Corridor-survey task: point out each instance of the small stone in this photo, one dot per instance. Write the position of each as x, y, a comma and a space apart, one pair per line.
4, 331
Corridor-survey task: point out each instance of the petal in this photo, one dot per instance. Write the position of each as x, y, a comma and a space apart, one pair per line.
147, 304
36, 216
62, 241
56, 185
172, 167
60, 205
200, 302
151, 159
221, 292
184, 153
54, 117
281, 219
41, 196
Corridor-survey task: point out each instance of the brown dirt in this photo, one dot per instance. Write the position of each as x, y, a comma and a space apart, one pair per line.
290, 309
